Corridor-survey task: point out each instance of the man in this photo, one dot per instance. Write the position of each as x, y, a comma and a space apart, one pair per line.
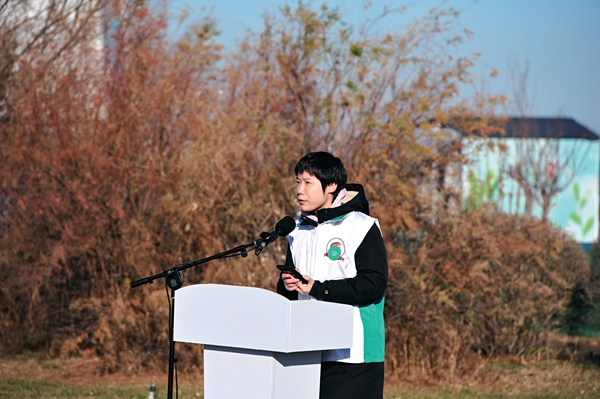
339, 250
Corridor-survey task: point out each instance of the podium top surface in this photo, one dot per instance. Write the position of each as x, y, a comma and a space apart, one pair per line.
254, 318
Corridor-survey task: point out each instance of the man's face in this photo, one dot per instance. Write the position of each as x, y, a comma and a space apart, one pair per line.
310, 193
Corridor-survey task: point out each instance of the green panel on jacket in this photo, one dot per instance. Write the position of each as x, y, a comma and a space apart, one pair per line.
374, 332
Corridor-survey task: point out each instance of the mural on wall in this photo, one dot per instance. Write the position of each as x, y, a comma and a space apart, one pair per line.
554, 179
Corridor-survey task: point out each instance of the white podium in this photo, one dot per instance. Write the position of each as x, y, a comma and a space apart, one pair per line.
258, 344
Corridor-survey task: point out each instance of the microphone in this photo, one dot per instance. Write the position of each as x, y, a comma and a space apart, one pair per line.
284, 227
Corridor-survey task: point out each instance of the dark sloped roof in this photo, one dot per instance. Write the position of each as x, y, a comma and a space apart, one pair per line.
557, 128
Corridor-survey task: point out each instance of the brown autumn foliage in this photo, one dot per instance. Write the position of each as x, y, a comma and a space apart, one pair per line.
120, 161
484, 284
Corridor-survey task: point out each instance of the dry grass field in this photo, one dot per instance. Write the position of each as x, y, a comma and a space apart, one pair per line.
577, 375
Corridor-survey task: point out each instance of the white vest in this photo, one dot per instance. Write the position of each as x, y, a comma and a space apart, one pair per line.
326, 252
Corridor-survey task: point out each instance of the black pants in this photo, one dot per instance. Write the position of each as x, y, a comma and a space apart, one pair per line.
351, 381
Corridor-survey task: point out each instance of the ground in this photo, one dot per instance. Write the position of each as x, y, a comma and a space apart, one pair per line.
575, 374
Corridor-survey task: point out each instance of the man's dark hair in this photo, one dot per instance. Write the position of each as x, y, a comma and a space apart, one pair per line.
324, 166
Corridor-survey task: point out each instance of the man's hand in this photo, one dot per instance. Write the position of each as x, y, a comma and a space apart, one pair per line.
291, 283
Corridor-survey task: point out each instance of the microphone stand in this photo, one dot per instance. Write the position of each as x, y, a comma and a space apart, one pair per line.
174, 281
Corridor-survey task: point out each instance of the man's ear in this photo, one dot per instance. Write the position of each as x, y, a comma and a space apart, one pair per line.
330, 189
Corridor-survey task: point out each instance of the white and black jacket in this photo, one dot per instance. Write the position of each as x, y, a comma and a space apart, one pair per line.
344, 253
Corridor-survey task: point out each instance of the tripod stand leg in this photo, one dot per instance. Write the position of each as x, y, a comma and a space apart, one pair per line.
172, 358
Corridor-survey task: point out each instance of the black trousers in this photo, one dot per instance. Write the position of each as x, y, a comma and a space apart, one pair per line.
351, 381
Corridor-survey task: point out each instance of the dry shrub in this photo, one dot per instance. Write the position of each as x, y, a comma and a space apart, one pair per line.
127, 336
91, 192
482, 283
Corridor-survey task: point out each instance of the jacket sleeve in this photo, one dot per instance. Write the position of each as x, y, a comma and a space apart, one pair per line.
368, 286
291, 295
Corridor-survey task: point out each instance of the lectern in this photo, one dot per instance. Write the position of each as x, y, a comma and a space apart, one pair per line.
258, 344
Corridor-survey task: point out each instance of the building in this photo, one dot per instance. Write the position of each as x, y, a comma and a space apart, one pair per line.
544, 167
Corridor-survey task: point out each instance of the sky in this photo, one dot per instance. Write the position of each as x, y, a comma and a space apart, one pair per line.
558, 39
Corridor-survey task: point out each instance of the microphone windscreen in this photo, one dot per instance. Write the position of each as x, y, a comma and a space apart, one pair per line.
286, 225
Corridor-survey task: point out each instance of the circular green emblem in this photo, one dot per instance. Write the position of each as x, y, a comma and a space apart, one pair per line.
334, 253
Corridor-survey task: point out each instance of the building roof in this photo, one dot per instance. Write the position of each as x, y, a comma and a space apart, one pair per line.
557, 128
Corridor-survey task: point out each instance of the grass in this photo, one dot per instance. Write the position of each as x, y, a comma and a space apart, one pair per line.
26, 389
506, 378
31, 376
482, 394
44, 389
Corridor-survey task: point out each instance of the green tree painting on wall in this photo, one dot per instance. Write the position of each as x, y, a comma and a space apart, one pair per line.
576, 215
